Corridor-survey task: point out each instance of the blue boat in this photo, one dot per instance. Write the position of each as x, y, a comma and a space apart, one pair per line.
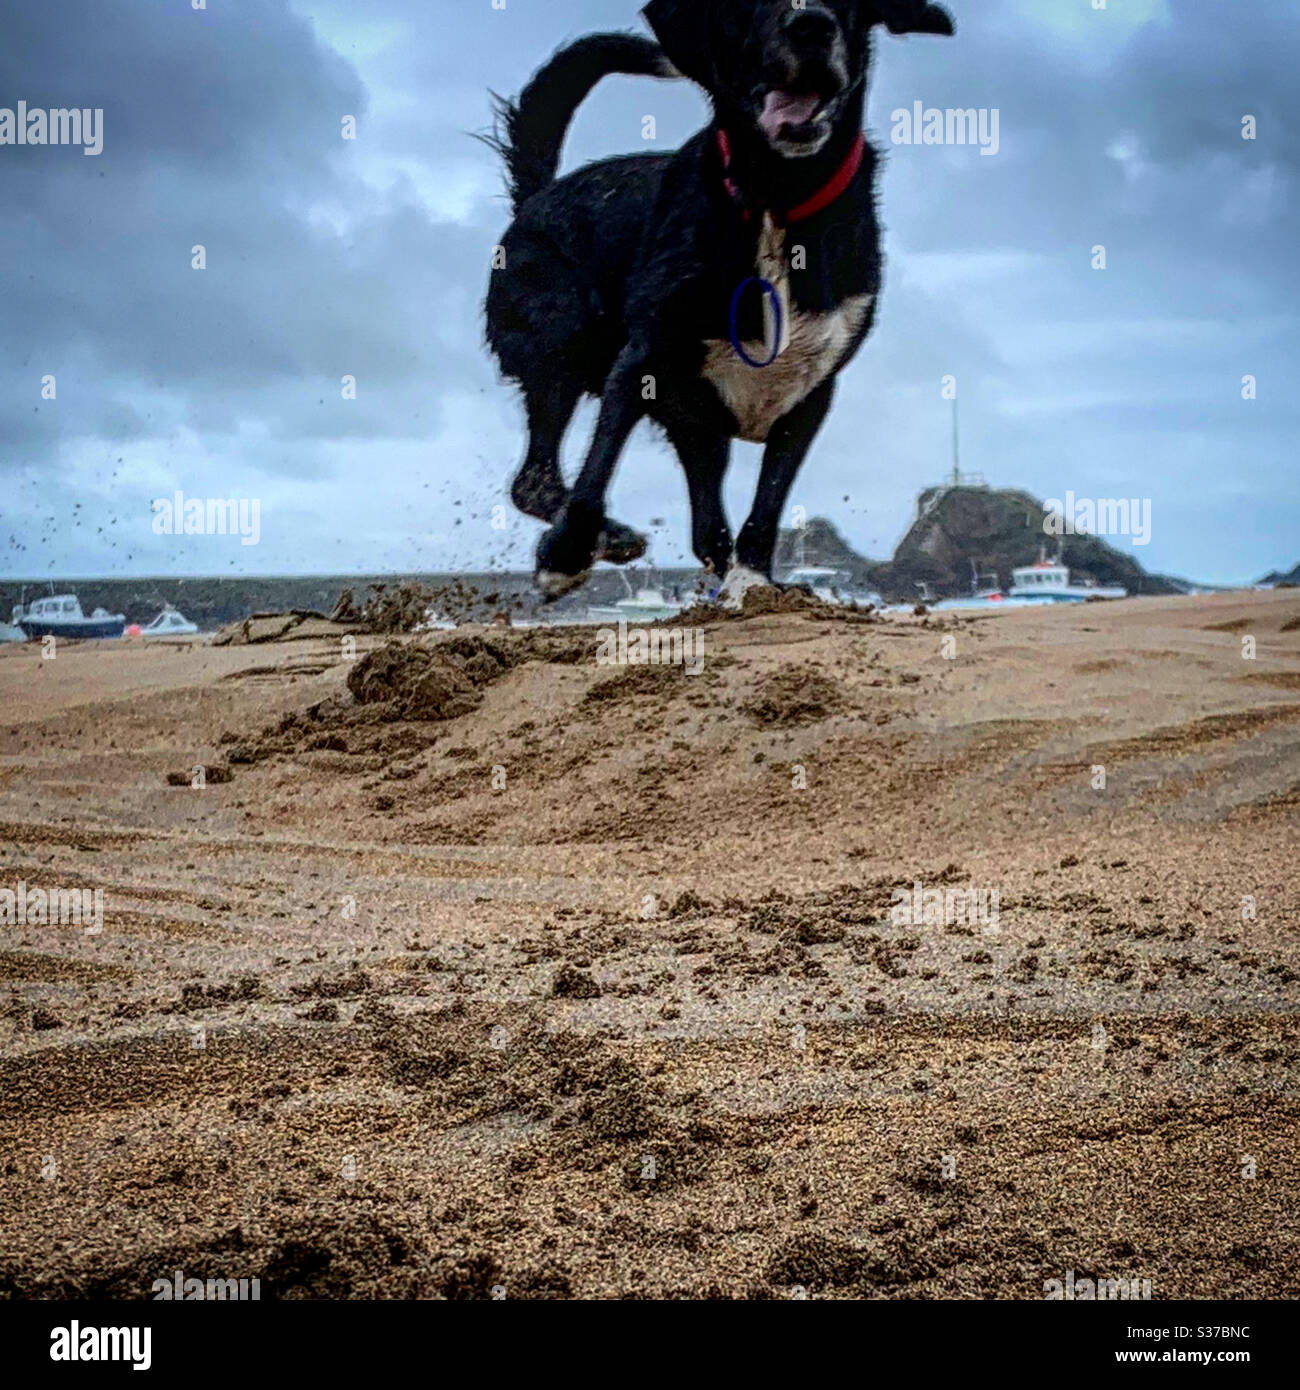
60, 615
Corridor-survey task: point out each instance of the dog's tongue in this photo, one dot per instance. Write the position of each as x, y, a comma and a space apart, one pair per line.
785, 108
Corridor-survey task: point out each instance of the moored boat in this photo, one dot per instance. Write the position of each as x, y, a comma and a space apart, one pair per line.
1047, 582
60, 615
171, 622
830, 585
646, 604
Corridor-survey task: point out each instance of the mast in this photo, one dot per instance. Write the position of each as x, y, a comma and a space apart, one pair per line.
956, 472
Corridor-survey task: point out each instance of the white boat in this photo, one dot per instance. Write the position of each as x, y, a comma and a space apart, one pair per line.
993, 601
60, 615
169, 623
986, 595
434, 621
830, 585
646, 604
1048, 582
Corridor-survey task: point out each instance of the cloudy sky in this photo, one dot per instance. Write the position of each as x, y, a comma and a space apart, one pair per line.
1119, 127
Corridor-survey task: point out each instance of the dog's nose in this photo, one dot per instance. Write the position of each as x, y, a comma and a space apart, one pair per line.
812, 28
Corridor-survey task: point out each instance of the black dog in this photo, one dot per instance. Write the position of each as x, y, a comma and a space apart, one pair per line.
717, 290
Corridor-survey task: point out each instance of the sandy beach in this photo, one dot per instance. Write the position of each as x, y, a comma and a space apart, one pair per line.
522, 976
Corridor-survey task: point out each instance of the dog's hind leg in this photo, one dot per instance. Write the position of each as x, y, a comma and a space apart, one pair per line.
538, 489
704, 457
580, 534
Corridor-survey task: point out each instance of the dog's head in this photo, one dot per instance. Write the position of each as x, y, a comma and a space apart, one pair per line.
788, 66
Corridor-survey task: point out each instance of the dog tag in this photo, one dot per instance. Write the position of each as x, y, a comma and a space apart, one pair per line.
772, 267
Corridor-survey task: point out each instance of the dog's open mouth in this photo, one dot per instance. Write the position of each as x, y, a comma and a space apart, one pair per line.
782, 108
797, 115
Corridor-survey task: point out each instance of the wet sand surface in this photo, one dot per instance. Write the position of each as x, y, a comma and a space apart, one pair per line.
476, 966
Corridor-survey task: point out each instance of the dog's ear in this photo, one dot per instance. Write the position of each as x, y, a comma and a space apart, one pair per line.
682, 28
910, 17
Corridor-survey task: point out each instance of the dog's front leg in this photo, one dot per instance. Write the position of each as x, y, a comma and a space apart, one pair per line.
787, 447
704, 455
566, 552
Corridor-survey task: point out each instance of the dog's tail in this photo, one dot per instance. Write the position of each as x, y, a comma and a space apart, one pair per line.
531, 130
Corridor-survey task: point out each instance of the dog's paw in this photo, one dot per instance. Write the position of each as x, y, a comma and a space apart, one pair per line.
565, 553
555, 585
620, 544
739, 581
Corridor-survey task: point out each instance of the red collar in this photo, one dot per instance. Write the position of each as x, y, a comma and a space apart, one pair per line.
824, 196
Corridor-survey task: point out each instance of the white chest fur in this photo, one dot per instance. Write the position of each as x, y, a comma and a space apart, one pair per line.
759, 396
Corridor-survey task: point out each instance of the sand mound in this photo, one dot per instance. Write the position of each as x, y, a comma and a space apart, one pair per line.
426, 680
445, 679
420, 683
794, 695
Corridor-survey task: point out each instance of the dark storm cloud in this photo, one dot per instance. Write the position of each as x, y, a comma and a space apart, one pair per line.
222, 128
